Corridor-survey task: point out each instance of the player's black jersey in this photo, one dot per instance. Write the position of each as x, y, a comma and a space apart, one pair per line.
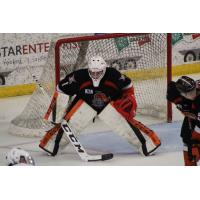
110, 87
173, 95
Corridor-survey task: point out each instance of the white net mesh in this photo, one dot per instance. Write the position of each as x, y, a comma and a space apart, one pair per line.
141, 57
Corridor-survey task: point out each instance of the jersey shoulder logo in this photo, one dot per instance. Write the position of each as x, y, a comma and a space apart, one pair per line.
71, 79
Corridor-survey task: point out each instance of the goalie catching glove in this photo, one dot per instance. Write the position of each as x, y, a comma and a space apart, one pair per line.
127, 104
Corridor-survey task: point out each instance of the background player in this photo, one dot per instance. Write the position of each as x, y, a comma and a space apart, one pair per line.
19, 157
103, 92
185, 94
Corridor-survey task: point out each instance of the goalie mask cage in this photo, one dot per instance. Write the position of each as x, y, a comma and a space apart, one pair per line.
145, 58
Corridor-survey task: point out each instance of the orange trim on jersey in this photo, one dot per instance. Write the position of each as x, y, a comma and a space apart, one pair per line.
111, 84
51, 106
85, 84
73, 110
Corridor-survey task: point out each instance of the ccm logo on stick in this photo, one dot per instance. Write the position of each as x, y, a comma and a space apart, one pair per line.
73, 138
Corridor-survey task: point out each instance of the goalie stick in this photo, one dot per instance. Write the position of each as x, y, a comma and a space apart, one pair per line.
79, 148
72, 138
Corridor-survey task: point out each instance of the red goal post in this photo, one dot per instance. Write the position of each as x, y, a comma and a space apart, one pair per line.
169, 73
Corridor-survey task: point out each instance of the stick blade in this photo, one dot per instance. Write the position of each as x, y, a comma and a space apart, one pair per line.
100, 157
107, 156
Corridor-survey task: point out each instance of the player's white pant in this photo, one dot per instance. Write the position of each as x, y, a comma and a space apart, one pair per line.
143, 142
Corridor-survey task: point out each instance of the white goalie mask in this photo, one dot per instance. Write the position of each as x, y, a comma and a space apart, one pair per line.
18, 156
96, 68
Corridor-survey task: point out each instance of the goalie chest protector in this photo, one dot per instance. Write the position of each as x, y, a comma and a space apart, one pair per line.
110, 88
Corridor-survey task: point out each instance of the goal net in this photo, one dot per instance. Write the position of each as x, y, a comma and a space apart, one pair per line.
142, 57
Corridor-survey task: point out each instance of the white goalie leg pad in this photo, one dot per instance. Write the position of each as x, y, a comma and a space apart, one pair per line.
60, 100
62, 144
48, 142
80, 116
49, 147
119, 125
61, 106
149, 138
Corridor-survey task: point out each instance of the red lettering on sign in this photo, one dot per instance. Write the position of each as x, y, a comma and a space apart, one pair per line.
194, 36
40, 47
144, 41
32, 49
25, 49
46, 46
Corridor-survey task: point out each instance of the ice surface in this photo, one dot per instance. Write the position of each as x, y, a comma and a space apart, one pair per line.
96, 138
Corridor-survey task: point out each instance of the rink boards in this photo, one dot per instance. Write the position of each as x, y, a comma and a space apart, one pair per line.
135, 75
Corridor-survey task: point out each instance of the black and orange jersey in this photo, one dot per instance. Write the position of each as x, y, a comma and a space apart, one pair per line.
193, 106
110, 88
174, 96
